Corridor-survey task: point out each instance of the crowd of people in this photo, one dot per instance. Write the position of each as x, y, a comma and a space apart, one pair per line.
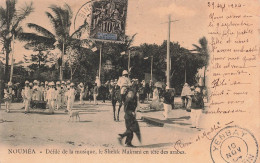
61, 95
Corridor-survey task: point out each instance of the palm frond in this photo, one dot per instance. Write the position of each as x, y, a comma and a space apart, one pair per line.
68, 8
32, 37
196, 46
41, 30
130, 40
22, 14
52, 19
37, 46
80, 30
2, 16
63, 20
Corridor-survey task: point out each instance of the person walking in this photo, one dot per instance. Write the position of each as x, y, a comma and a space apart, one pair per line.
81, 93
36, 91
95, 94
8, 93
186, 96
58, 95
131, 123
27, 96
51, 97
167, 102
71, 97
197, 105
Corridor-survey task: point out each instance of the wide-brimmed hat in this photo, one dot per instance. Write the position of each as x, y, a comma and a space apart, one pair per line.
35, 81
124, 72
26, 82
197, 89
51, 84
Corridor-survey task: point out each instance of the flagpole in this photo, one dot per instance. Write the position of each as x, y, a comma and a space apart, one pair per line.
100, 55
168, 54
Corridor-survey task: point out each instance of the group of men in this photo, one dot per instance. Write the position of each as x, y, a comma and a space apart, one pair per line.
55, 95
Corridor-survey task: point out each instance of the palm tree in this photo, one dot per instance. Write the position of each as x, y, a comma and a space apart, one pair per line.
60, 18
202, 50
10, 19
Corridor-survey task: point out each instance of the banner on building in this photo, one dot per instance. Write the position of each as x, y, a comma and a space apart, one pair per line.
108, 20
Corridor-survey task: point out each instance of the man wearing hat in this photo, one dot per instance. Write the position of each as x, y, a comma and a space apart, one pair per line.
8, 93
124, 83
58, 95
71, 97
186, 96
36, 93
81, 93
51, 97
131, 123
27, 96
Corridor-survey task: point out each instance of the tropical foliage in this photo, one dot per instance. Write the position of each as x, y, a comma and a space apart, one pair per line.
10, 21
79, 63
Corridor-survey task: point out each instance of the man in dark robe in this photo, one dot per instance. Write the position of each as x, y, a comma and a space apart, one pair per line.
130, 119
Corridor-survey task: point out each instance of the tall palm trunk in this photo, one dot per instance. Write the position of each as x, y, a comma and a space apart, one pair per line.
7, 52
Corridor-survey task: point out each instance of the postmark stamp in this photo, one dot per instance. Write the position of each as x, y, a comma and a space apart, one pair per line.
234, 144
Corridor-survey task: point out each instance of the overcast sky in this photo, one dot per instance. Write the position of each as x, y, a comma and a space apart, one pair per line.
145, 17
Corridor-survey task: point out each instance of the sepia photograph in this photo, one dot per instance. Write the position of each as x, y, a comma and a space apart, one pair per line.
129, 81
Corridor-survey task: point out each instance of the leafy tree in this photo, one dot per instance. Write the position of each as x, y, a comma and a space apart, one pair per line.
10, 20
41, 56
60, 18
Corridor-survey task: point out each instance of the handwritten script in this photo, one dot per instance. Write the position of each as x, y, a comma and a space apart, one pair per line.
233, 47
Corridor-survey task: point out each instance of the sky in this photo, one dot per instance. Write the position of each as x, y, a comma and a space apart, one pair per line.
147, 18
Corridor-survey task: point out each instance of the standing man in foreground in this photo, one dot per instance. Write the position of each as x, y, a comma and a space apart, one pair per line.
124, 83
131, 123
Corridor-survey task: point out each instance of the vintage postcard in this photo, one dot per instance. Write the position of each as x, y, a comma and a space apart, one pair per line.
129, 81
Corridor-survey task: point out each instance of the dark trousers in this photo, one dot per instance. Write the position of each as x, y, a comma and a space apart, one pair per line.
123, 96
128, 133
104, 97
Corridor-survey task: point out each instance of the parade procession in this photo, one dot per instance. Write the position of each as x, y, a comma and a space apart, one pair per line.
84, 66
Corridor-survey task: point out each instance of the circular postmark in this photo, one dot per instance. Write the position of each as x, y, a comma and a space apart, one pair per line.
234, 144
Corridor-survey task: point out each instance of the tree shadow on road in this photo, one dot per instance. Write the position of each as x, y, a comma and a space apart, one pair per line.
86, 113
84, 121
